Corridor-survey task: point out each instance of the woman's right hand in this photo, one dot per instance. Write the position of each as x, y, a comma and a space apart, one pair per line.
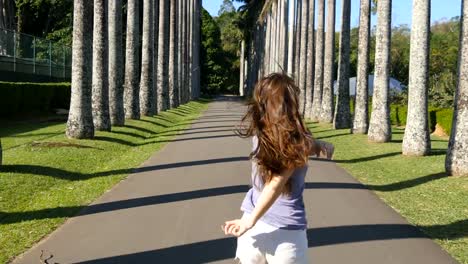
237, 227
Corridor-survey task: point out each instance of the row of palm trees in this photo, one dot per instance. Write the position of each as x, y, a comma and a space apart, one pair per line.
159, 71
309, 53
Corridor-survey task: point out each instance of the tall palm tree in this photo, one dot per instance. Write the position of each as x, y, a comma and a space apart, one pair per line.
80, 118
284, 33
319, 60
197, 47
456, 162
292, 16
342, 118
303, 53
173, 67
310, 60
416, 140
326, 111
379, 125
100, 91
268, 43
147, 91
186, 51
163, 58
180, 50
131, 95
361, 108
297, 35
1, 152
273, 60
242, 74
190, 42
116, 89
156, 53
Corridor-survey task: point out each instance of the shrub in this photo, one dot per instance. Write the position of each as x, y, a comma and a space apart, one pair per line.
441, 116
19, 98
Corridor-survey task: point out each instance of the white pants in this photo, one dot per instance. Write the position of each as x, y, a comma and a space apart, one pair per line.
267, 244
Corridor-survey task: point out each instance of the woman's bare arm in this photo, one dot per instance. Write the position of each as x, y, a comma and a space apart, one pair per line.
271, 191
269, 194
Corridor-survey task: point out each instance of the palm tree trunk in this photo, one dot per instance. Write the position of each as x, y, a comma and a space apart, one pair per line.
278, 36
271, 62
156, 54
196, 49
116, 89
80, 118
242, 74
416, 140
268, 59
100, 92
186, 52
292, 16
297, 35
303, 54
284, 34
456, 162
361, 109
147, 91
198, 39
342, 118
309, 86
131, 95
163, 56
1, 153
173, 73
274, 43
319, 60
379, 127
326, 111
190, 47
180, 50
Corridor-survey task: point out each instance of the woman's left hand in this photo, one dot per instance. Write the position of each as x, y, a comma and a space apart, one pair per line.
237, 227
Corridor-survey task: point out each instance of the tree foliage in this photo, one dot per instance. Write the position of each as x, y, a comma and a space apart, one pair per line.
46, 18
213, 75
226, 7
221, 38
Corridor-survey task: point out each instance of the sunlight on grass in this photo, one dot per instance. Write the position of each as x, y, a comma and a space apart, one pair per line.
47, 178
416, 187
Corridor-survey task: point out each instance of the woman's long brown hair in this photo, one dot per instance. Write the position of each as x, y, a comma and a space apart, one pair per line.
284, 142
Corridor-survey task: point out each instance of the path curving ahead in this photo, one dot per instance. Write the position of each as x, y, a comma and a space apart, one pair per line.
171, 209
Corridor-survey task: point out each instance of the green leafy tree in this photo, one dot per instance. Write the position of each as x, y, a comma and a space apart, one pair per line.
226, 7
213, 75
231, 36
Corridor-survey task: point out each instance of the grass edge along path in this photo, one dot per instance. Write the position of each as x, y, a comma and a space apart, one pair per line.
416, 187
47, 178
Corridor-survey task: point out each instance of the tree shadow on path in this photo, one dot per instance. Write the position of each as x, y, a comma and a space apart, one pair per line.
70, 211
224, 248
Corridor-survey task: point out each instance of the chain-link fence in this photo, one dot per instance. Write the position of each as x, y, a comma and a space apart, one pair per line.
28, 54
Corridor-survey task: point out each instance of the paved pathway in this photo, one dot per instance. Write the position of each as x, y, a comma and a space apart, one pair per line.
171, 209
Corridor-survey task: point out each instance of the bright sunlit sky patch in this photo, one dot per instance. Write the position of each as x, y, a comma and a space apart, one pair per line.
401, 11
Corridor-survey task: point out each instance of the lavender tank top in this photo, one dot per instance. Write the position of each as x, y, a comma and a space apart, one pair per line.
288, 211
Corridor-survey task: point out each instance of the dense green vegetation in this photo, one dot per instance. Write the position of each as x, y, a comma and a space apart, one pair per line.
47, 178
416, 187
20, 98
221, 38
52, 19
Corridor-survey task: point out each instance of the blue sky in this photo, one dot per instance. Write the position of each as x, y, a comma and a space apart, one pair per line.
402, 10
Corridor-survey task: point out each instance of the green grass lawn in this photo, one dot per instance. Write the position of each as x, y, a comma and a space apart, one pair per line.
416, 187
47, 178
